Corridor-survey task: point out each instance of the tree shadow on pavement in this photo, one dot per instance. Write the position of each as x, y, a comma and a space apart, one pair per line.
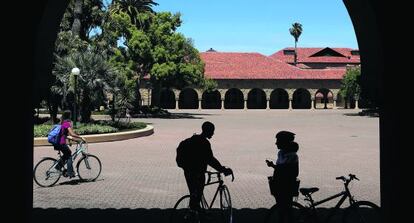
180, 115
67, 215
372, 113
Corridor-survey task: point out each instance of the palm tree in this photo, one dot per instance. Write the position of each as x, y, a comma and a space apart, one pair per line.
295, 31
96, 78
133, 8
77, 14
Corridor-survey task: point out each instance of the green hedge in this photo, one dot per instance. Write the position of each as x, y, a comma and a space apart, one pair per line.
98, 127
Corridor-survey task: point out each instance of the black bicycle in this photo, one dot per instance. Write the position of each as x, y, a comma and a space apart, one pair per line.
182, 212
356, 212
88, 168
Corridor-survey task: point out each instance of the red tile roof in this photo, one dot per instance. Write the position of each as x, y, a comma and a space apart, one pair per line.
304, 56
225, 65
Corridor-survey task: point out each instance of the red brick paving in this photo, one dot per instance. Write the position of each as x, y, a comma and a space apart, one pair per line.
141, 173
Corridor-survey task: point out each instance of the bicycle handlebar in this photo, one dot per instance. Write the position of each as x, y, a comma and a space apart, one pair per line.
351, 177
218, 174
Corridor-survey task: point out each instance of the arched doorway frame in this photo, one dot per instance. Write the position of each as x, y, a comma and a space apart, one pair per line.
366, 17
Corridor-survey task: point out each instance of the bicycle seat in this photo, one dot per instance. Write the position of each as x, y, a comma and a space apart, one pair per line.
308, 191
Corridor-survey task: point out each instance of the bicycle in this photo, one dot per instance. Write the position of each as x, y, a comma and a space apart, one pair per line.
183, 213
357, 211
88, 168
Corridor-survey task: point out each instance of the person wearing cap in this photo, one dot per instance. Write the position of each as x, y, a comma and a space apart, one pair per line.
286, 170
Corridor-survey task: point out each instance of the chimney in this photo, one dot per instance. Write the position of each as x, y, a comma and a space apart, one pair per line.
211, 50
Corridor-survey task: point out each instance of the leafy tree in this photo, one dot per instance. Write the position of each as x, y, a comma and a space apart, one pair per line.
350, 86
133, 8
83, 16
157, 51
74, 36
176, 63
296, 31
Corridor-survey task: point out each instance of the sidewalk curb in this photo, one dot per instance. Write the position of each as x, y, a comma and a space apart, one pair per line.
109, 137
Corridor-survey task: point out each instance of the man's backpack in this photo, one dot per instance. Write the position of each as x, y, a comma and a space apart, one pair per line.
53, 136
182, 152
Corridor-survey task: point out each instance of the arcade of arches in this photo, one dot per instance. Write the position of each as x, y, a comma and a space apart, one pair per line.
267, 94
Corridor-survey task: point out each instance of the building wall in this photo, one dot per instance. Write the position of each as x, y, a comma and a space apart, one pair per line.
245, 86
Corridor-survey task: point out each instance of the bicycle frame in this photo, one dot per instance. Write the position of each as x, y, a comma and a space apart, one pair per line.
344, 195
79, 149
219, 188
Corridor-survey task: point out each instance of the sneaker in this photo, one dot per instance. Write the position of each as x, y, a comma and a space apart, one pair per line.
72, 175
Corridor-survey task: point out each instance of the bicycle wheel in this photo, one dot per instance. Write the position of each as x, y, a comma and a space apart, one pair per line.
89, 167
225, 205
298, 213
44, 173
182, 213
362, 212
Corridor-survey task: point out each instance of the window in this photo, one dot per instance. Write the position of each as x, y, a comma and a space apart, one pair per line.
289, 52
354, 52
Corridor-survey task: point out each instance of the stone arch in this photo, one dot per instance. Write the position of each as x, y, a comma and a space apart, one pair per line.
167, 99
211, 100
301, 99
256, 99
188, 99
279, 99
364, 14
234, 99
324, 99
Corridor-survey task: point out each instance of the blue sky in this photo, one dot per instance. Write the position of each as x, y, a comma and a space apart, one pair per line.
262, 25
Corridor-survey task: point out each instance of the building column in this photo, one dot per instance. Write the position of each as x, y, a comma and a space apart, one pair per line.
312, 104
356, 104
245, 104
222, 104
199, 104
334, 104
267, 104
290, 104
176, 104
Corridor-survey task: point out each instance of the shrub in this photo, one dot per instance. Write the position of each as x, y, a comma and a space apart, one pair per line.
97, 127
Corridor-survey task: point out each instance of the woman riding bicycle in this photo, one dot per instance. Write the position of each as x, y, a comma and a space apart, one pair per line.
66, 132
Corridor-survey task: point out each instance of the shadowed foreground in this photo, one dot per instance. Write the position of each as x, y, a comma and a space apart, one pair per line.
65, 215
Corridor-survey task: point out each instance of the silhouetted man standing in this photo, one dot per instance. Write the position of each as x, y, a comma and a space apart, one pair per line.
193, 155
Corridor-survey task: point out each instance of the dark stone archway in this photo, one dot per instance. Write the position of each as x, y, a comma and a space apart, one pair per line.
279, 99
301, 99
371, 22
188, 99
323, 99
234, 99
167, 99
211, 100
256, 99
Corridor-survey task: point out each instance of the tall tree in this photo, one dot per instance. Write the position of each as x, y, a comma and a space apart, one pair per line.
296, 31
157, 51
79, 19
77, 13
82, 17
350, 87
133, 8
95, 80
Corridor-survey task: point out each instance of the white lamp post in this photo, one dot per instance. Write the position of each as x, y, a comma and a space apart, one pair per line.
75, 72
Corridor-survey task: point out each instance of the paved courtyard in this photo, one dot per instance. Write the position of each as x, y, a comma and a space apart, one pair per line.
142, 173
